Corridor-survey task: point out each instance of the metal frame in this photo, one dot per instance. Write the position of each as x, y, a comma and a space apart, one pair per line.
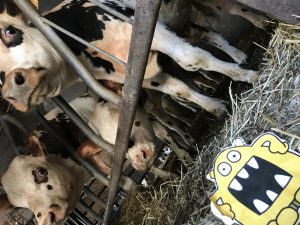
145, 18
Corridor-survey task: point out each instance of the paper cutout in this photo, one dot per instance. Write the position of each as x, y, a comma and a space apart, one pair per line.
257, 184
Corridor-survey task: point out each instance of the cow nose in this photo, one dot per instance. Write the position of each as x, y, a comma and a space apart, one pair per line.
19, 78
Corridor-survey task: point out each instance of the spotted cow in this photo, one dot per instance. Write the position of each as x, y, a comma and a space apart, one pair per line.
102, 117
50, 185
33, 70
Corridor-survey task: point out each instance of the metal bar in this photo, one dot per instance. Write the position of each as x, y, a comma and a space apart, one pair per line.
65, 52
93, 197
90, 211
61, 103
71, 150
115, 13
68, 33
82, 217
72, 220
145, 18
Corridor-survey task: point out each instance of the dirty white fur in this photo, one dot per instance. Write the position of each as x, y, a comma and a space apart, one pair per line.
103, 119
64, 175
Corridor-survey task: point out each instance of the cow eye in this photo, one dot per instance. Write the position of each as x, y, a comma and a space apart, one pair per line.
10, 31
40, 175
41, 172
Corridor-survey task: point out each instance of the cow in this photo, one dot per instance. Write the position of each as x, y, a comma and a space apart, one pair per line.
48, 185
33, 70
102, 117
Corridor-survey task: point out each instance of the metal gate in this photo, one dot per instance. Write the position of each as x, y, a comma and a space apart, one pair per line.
144, 21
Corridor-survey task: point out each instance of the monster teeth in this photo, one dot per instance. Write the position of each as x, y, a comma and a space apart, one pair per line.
243, 174
260, 205
252, 162
236, 185
272, 195
220, 201
282, 180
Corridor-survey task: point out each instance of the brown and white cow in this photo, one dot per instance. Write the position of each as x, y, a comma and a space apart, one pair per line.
48, 185
103, 117
35, 71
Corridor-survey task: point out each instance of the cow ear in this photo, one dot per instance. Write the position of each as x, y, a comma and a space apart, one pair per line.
35, 146
4, 203
11, 8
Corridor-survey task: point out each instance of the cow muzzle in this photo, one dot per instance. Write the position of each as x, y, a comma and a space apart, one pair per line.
22, 88
141, 157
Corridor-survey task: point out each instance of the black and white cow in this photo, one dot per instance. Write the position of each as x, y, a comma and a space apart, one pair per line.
34, 70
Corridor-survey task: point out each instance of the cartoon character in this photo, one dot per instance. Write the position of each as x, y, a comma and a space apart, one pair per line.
257, 184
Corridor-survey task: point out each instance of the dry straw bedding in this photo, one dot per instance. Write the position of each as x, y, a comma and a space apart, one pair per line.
272, 105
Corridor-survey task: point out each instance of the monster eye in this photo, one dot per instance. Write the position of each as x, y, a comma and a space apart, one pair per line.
234, 156
224, 168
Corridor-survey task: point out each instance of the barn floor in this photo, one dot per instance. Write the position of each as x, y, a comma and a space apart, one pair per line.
185, 200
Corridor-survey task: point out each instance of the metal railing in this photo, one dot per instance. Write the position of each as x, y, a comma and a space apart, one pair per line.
144, 21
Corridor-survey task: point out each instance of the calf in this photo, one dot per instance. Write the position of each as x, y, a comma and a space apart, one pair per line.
34, 70
103, 119
48, 185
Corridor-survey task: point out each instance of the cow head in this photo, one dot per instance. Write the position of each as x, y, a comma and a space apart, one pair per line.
49, 186
26, 57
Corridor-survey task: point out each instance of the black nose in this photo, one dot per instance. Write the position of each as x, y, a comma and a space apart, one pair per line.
19, 79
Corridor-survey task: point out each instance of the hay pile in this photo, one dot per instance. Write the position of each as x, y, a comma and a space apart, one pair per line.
272, 105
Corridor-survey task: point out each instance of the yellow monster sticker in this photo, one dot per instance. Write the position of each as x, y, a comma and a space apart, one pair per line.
257, 184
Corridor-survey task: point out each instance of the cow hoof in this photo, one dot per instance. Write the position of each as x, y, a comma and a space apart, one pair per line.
240, 57
254, 78
218, 109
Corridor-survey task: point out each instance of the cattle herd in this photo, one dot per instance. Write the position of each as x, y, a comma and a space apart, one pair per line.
32, 71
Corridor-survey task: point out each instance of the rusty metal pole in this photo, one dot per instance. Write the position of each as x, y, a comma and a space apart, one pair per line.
145, 18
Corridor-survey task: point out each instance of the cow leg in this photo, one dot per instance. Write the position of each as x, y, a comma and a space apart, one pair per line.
234, 9
228, 7
162, 133
172, 86
218, 41
153, 106
193, 58
165, 175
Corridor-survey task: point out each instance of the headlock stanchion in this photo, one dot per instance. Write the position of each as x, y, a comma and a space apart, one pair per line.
144, 21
